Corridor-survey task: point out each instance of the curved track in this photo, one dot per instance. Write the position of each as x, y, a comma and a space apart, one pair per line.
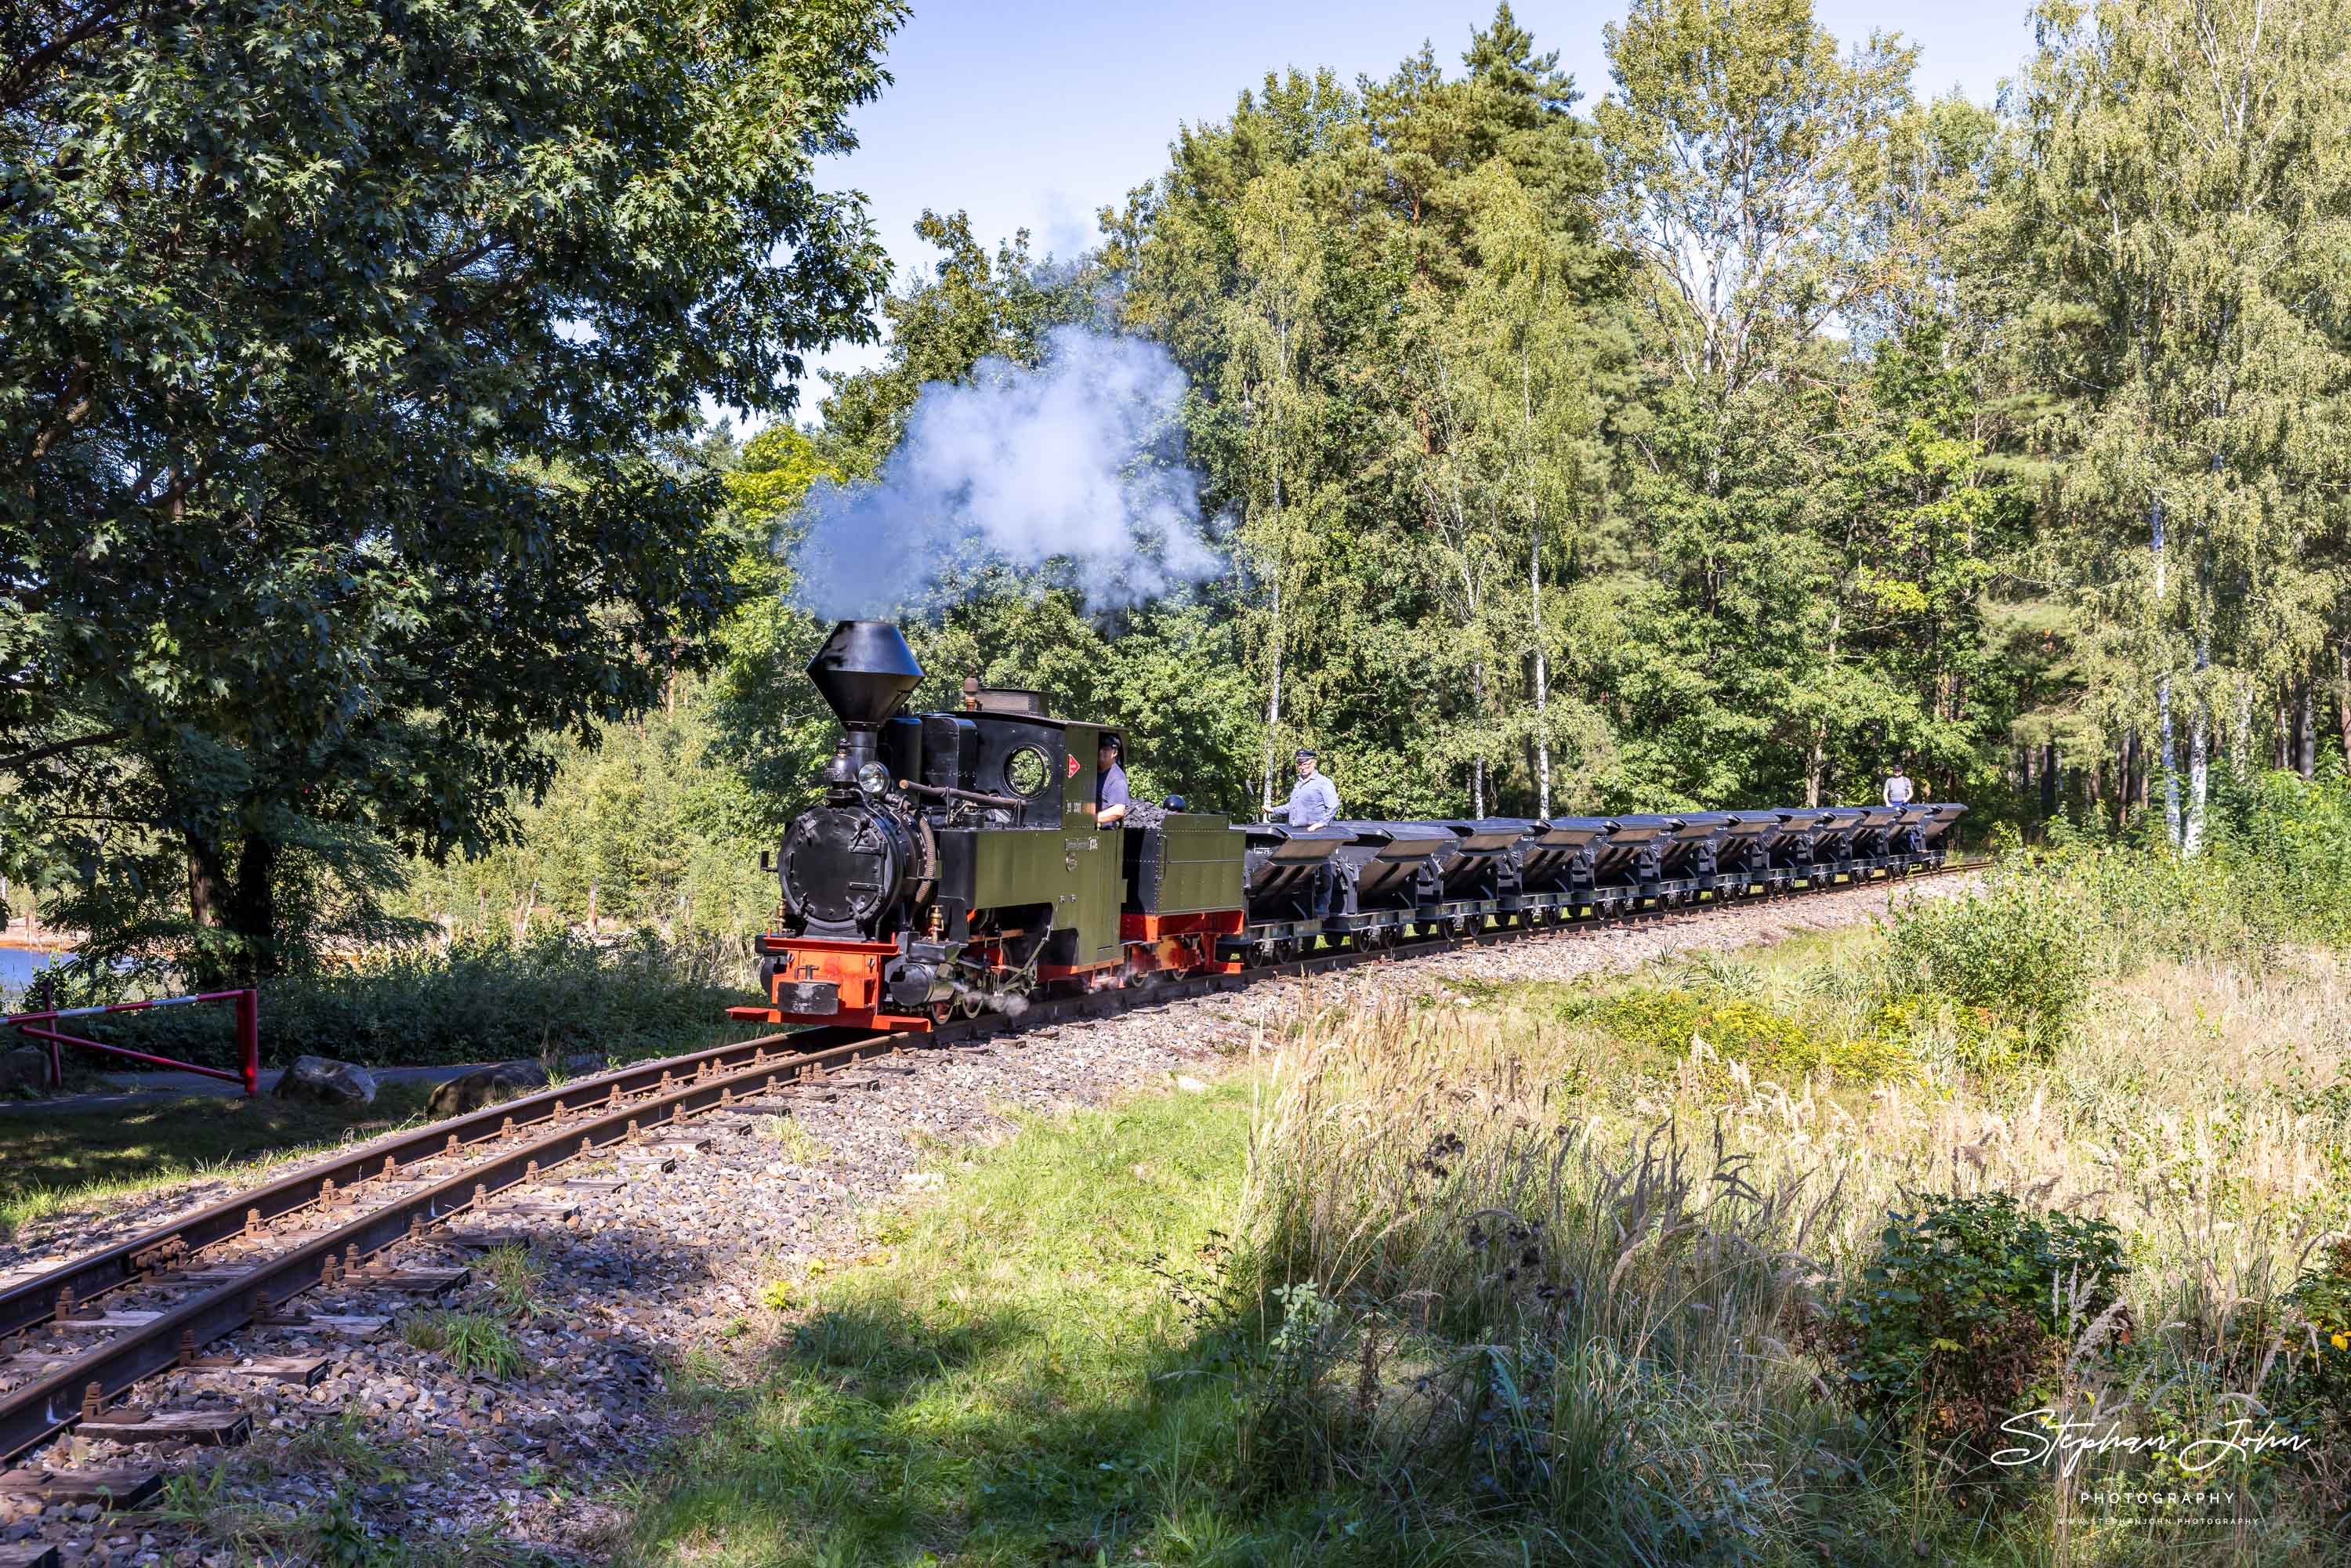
151, 1304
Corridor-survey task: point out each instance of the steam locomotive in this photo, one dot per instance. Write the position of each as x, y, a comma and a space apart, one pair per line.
956, 864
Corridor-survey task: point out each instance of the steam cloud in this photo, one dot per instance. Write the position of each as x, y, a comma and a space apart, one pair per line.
1080, 460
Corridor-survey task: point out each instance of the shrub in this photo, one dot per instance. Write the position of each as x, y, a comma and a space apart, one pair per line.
2309, 1380
2016, 952
475, 1000
1962, 1316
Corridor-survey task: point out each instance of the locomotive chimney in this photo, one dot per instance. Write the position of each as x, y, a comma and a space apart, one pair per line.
866, 670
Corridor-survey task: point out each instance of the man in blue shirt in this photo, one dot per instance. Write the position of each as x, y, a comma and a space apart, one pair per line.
1110, 799
1315, 799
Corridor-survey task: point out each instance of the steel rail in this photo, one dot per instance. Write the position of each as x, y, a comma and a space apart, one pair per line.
38, 1411
29, 1303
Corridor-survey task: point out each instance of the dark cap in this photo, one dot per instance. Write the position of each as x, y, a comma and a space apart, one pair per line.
1897, 767
1305, 754
1111, 741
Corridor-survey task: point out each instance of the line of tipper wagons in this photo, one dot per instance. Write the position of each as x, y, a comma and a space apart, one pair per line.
1371, 880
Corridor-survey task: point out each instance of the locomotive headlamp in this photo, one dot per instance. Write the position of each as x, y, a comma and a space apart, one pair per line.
874, 779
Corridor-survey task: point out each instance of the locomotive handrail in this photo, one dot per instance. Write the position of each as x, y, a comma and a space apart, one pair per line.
975, 796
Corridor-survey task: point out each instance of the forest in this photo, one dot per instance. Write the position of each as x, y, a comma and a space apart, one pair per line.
1721, 434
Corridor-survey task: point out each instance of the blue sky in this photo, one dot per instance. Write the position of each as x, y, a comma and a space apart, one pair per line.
1035, 114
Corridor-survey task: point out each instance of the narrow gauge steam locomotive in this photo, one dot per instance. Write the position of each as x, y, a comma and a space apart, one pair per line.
956, 864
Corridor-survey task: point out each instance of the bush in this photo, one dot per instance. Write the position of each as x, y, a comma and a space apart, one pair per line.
2308, 1385
2016, 953
1962, 1317
480, 1001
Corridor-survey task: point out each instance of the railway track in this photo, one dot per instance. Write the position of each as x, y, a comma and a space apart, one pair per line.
75, 1339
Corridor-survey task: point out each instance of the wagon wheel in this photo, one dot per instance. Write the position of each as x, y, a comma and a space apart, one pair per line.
1285, 950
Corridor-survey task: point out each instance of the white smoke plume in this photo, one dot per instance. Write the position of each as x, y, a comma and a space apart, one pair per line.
1080, 460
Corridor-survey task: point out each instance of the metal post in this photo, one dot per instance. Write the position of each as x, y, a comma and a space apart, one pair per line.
248, 1039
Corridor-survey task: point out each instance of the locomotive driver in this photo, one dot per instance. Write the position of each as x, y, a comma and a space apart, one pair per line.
1110, 799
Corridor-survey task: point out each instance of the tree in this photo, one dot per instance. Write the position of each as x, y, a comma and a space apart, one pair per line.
1270, 331
1744, 156
2181, 210
332, 341
1544, 372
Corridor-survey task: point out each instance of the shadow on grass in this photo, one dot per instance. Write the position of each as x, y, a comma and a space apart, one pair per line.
885, 1437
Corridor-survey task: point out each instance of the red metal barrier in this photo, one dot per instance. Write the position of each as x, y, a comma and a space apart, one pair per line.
248, 1037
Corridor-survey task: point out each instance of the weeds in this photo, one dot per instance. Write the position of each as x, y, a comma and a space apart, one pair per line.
792, 1141
469, 1341
513, 1272
1664, 1309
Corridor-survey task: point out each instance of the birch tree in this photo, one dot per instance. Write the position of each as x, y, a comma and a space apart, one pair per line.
1539, 366
2188, 173
1271, 325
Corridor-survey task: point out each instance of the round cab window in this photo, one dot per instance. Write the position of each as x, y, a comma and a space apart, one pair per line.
1026, 771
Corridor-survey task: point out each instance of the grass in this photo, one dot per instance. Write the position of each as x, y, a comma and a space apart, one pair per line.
53, 1163
1009, 1388
513, 1272
1613, 1267
550, 995
1557, 1274
468, 1341
792, 1141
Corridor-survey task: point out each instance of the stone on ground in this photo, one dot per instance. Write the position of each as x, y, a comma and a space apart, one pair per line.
328, 1082
485, 1086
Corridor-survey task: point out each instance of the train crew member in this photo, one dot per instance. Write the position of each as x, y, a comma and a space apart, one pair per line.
1897, 786
1315, 799
1110, 799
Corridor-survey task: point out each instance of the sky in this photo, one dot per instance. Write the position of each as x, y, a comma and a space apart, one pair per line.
1038, 113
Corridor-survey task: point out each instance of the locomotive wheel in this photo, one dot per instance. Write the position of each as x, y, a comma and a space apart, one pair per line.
1285, 951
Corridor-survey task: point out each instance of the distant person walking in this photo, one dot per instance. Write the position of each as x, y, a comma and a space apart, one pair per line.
1315, 799
1897, 786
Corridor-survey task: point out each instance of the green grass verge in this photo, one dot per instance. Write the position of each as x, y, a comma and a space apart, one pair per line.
1015, 1385
52, 1162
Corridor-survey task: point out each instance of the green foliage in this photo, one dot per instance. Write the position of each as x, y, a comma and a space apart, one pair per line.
337, 344
2175, 222
344, 1541
2019, 951
476, 1000
513, 1273
1962, 1316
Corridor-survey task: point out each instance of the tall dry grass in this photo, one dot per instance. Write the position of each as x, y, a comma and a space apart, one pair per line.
1591, 1288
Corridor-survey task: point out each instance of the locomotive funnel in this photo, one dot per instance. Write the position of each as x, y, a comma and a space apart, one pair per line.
864, 671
